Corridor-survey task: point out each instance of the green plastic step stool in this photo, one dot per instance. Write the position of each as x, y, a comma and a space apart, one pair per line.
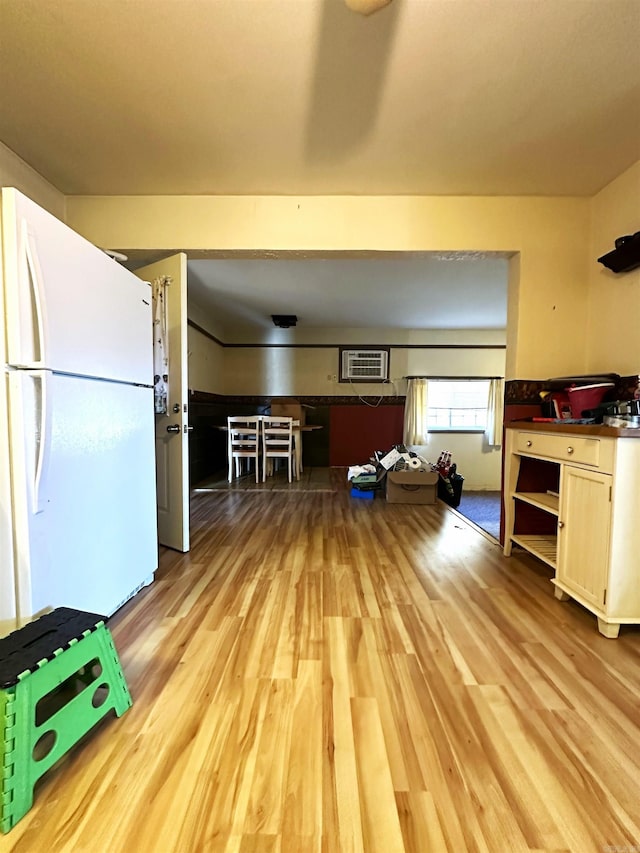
59, 676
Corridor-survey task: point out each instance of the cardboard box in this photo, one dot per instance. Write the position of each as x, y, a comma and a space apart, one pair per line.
288, 407
412, 487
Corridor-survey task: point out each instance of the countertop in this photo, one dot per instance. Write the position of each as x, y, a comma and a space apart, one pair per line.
575, 429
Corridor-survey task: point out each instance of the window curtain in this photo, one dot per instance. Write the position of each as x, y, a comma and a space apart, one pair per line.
415, 413
495, 409
160, 344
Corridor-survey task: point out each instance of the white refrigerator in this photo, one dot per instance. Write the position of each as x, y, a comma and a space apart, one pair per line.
77, 459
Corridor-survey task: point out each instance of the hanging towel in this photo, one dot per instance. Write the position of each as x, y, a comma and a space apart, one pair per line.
160, 345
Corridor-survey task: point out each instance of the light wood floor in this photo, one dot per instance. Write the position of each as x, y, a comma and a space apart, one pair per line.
311, 480
328, 674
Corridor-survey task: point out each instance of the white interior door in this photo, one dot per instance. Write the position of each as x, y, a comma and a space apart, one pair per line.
172, 429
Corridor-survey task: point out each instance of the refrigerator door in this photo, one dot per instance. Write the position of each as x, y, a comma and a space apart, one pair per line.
70, 307
83, 495
7, 585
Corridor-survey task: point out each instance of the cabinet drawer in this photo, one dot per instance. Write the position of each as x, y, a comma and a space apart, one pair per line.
569, 448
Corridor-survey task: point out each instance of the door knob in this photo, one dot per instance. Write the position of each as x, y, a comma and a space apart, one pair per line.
173, 428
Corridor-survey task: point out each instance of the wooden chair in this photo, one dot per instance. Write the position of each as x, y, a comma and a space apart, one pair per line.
243, 442
297, 446
278, 443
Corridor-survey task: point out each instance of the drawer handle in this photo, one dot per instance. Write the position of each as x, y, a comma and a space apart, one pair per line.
569, 450
561, 524
529, 443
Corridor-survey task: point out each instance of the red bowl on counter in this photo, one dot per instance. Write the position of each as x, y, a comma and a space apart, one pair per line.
583, 397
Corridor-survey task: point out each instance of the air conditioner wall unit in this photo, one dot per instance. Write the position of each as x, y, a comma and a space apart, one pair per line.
364, 365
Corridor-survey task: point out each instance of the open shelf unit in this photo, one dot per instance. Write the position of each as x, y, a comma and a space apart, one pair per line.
543, 500
572, 501
544, 547
534, 507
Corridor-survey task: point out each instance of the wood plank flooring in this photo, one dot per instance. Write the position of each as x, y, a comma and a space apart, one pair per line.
311, 480
328, 674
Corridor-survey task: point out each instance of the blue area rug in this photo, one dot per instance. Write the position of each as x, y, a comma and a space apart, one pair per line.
483, 509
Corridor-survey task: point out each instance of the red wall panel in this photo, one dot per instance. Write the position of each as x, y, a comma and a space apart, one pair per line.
356, 431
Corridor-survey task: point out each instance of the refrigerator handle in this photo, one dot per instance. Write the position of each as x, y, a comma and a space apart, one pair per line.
35, 276
44, 431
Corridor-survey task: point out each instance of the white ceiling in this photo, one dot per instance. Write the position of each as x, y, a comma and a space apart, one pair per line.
304, 97
415, 291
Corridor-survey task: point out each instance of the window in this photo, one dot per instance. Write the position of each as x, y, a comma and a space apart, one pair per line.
457, 405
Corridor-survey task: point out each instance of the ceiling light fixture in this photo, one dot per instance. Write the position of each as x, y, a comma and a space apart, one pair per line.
366, 7
284, 321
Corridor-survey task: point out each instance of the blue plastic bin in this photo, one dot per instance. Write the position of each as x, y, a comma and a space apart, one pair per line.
367, 496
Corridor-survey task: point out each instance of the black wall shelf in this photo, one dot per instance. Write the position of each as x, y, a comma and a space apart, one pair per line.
625, 257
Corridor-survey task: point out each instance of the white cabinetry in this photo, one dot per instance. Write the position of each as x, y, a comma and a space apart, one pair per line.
587, 498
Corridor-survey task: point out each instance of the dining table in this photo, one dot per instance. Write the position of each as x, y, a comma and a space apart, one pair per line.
298, 429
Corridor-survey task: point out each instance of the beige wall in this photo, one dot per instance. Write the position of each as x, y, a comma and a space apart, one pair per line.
302, 371
206, 363
202, 317
297, 370
206, 357
479, 465
340, 336
614, 299
14, 172
547, 307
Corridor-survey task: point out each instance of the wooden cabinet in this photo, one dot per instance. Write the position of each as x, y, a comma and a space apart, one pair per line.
584, 528
586, 500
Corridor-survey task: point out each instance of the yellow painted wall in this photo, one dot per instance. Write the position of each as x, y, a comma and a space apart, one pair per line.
202, 317
206, 363
14, 172
547, 305
363, 336
307, 371
479, 465
614, 299
206, 357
